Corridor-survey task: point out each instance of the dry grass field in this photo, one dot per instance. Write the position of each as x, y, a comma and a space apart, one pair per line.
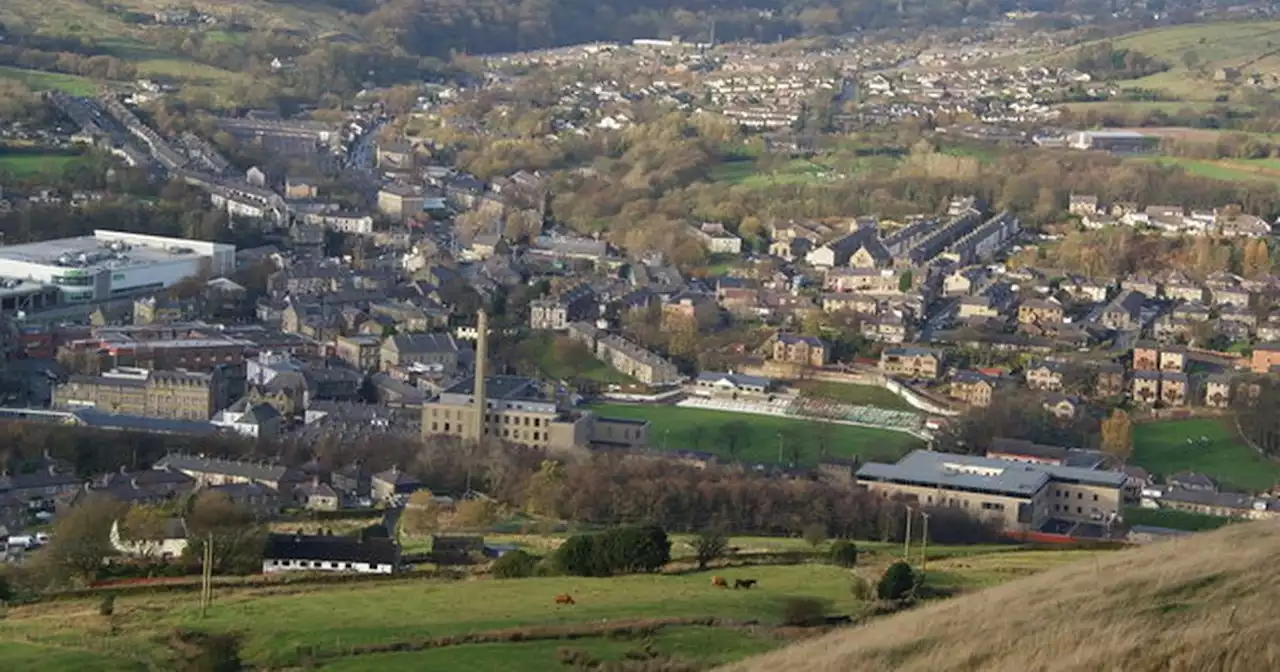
1197, 603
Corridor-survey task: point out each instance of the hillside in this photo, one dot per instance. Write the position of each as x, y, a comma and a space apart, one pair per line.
1198, 603
280, 623
1251, 47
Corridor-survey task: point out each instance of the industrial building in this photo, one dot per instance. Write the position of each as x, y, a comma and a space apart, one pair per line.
178, 394
1119, 142
516, 409
1017, 496
113, 263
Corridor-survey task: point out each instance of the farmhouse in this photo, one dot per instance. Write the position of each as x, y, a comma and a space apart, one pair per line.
327, 553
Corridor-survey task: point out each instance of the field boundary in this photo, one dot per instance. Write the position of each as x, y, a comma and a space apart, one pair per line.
569, 632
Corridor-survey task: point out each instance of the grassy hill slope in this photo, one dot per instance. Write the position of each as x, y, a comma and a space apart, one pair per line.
1199, 603
1252, 46
107, 28
282, 625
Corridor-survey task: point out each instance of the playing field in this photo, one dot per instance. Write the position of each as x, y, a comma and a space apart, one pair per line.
294, 626
38, 80
28, 165
1162, 448
675, 428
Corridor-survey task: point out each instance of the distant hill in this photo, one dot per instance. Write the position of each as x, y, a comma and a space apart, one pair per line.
1203, 602
1195, 53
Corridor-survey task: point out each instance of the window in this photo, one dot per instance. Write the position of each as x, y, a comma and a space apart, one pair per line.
348, 566
434, 426
1079, 509
1095, 498
1079, 495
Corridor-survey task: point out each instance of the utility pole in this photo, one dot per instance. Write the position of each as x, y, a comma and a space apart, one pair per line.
924, 540
906, 541
206, 576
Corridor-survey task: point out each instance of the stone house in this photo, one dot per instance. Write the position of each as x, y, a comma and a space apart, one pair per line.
802, 350
911, 362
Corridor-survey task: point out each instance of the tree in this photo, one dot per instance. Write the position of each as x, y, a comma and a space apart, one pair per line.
904, 281
146, 527
1257, 258
709, 545
815, 534
844, 553
421, 514
1191, 59
896, 582
1117, 435
81, 539
474, 513
236, 534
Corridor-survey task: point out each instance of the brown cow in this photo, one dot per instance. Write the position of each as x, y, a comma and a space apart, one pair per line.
564, 598
719, 582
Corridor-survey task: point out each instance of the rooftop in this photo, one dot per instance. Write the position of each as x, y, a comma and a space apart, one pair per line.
507, 388
376, 551
967, 472
98, 252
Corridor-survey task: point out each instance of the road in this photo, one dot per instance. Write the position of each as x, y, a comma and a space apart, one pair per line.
360, 165
362, 156
937, 319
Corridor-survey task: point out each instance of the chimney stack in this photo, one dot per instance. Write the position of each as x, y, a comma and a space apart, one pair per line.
482, 370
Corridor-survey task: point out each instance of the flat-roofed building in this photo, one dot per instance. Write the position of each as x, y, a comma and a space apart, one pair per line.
1017, 496
114, 263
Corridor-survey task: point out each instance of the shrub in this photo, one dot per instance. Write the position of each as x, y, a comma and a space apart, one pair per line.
815, 534
206, 651
107, 606
709, 545
897, 582
627, 549
844, 553
578, 556
803, 611
547, 567
641, 549
862, 590
515, 565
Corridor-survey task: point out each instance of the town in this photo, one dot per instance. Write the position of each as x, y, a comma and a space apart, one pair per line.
810, 315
